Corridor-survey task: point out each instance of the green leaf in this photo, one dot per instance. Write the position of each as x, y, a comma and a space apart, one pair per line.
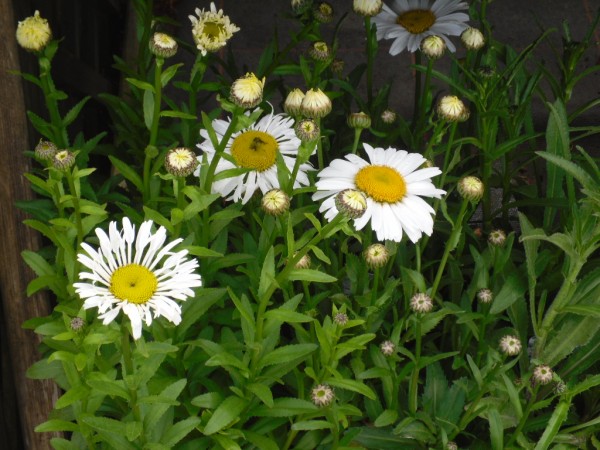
556, 420
74, 111
128, 173
512, 290
307, 425
287, 354
310, 275
267, 274
169, 73
179, 114
225, 414
103, 384
148, 108
496, 429
140, 84
284, 315
210, 400
262, 392
386, 418
354, 386
56, 425
37, 263
260, 442
71, 396
583, 310
285, 407
180, 430
112, 431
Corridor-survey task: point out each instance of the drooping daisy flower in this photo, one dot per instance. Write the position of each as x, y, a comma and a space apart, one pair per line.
393, 185
408, 22
255, 149
211, 29
136, 274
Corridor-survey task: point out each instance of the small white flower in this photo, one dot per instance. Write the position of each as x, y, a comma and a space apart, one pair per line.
392, 182
322, 395
543, 374
136, 274
33, 33
421, 303
510, 345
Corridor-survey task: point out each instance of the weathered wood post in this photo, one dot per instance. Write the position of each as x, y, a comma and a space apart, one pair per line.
35, 398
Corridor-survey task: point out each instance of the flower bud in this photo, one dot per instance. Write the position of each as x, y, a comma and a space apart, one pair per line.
340, 319
33, 33
275, 202
322, 395
323, 12
63, 160
293, 102
542, 374
387, 348
319, 51
433, 47
45, 150
307, 130
180, 162
359, 120
337, 66
376, 255
388, 116
421, 303
351, 203
485, 296
452, 109
472, 38
315, 104
303, 263
471, 188
367, 8
247, 91
77, 324
510, 345
163, 45
451, 445
497, 238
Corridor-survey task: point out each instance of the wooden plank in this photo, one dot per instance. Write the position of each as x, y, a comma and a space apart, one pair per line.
35, 398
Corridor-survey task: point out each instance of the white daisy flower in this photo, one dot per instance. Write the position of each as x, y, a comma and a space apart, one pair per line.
393, 185
408, 22
138, 275
211, 29
255, 149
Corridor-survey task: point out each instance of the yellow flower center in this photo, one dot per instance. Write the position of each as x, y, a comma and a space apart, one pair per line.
255, 150
416, 21
133, 283
382, 183
213, 30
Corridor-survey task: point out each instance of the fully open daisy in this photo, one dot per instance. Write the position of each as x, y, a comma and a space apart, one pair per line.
136, 274
393, 184
255, 149
408, 22
211, 29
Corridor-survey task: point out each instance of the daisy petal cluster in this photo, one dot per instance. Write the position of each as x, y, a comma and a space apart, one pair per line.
136, 273
255, 149
408, 22
393, 184
211, 29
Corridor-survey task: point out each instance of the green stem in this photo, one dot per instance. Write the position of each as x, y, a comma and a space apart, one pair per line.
370, 55
450, 245
417, 99
151, 151
420, 126
357, 133
219, 149
524, 417
128, 369
78, 220
279, 280
413, 389
60, 137
562, 298
319, 147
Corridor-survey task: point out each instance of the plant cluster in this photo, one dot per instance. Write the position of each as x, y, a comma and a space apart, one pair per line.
278, 260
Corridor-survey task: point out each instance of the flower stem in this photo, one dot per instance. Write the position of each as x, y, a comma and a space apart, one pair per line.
413, 389
450, 245
150, 152
128, 369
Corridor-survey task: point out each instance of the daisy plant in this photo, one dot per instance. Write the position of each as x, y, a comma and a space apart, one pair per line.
276, 258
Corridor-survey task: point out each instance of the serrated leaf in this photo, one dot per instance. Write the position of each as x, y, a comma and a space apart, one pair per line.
71, 396
287, 354
354, 386
225, 414
180, 430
